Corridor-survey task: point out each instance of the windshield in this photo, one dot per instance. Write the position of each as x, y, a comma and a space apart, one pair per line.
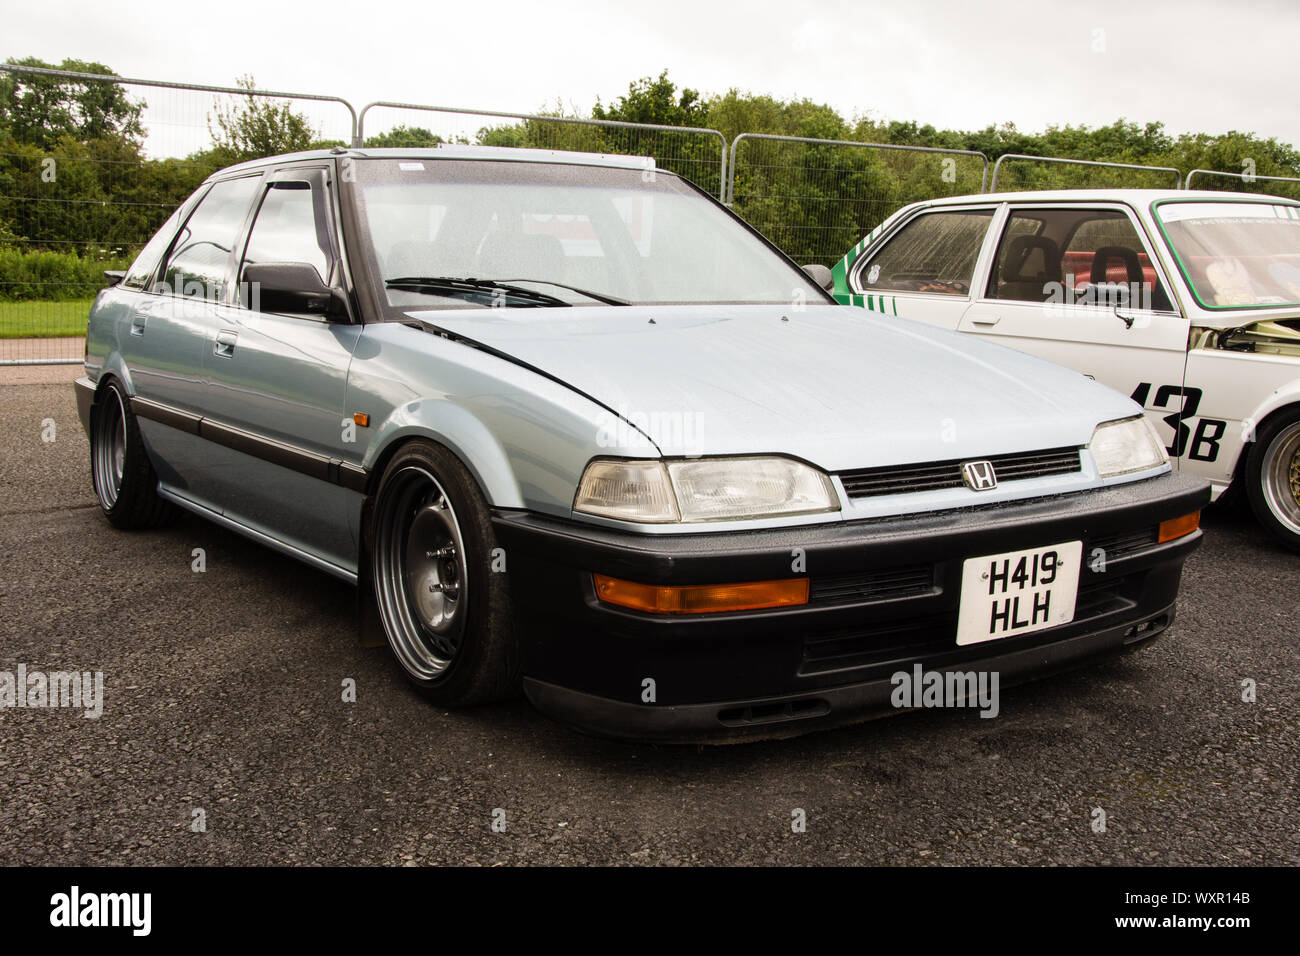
1236, 255
545, 234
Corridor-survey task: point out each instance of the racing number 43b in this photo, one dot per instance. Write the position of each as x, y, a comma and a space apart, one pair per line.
1199, 445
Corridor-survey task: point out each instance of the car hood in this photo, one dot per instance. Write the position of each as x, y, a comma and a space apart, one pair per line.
838, 387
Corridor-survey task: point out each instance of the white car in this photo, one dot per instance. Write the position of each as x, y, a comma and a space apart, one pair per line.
1187, 301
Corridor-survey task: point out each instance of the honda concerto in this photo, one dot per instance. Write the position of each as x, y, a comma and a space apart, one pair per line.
573, 428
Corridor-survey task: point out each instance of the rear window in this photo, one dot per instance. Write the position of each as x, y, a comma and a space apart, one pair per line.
146, 263
201, 253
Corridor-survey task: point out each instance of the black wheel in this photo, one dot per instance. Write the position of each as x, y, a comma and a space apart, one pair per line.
444, 609
1273, 477
120, 471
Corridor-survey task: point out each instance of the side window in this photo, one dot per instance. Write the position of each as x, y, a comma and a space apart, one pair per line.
146, 263
1076, 257
197, 266
933, 253
289, 229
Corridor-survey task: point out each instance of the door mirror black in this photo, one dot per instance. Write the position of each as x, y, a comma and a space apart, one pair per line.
821, 275
293, 287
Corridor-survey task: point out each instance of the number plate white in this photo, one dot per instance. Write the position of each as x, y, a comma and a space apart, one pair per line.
1018, 592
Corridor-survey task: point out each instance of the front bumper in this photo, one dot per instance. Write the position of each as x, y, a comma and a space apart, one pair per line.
884, 597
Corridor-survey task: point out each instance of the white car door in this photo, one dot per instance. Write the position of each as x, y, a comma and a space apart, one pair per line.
1076, 284
926, 269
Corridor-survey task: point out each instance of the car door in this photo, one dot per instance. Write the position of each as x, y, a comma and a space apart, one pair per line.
925, 270
163, 348
1077, 284
276, 384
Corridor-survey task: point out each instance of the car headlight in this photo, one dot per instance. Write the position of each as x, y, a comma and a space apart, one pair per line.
703, 489
1125, 446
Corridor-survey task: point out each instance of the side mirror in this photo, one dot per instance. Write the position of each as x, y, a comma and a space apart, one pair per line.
821, 275
112, 277
293, 287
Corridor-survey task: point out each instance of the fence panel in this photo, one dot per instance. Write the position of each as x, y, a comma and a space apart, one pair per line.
1015, 172
71, 208
699, 155
1287, 186
816, 198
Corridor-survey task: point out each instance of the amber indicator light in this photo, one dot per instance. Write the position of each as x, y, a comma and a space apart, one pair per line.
701, 598
1179, 527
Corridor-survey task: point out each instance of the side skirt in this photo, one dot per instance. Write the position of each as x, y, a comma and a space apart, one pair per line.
260, 537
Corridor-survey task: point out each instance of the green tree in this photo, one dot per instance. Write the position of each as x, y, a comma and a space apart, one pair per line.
651, 100
405, 137
40, 110
261, 126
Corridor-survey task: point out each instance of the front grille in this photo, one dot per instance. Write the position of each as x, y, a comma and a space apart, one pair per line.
1121, 545
883, 585
902, 479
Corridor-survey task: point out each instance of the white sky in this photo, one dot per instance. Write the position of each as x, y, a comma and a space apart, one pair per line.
1197, 65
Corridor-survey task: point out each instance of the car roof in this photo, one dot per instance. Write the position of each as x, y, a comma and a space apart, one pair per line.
1137, 197
453, 151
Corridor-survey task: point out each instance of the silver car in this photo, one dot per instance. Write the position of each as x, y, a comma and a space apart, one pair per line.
572, 427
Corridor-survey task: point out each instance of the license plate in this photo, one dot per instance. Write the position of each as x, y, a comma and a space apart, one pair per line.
1018, 592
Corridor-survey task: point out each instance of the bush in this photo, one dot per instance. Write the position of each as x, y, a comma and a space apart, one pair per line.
52, 276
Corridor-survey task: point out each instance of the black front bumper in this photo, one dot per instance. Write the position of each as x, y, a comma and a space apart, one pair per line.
884, 597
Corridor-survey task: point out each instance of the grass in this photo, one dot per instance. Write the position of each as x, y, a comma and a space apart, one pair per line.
38, 320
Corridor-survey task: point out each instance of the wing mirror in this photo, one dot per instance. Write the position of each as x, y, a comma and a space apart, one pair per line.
294, 287
821, 275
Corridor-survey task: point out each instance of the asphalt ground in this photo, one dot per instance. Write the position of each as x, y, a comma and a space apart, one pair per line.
223, 693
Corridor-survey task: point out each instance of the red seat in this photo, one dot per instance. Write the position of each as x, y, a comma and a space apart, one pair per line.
1079, 264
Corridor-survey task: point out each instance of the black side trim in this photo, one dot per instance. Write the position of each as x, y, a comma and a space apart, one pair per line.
166, 415
336, 471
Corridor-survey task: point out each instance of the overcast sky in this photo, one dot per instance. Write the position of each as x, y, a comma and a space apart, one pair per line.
1196, 66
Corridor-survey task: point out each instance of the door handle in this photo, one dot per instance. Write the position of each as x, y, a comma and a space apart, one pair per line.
224, 346
986, 320
138, 322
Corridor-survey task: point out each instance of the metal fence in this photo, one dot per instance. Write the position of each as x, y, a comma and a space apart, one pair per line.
73, 207
1248, 183
699, 155
815, 198
1023, 174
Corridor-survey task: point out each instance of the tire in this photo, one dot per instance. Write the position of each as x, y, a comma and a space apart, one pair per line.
1273, 477
120, 471
445, 612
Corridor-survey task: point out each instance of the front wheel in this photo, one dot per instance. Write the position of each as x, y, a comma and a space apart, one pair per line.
1273, 477
442, 598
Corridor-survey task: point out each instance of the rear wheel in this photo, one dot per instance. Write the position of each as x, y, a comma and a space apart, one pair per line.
1273, 477
444, 609
120, 470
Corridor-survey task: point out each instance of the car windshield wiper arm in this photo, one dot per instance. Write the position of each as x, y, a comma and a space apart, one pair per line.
473, 286
598, 296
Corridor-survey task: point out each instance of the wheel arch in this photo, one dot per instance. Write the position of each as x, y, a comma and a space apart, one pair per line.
1280, 401
461, 433
114, 367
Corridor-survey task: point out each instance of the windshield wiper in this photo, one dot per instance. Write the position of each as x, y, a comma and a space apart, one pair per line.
598, 296
481, 289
